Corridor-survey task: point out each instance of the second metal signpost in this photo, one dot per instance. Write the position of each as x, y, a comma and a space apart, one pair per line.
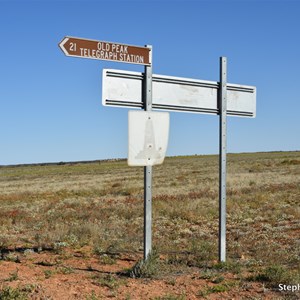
222, 157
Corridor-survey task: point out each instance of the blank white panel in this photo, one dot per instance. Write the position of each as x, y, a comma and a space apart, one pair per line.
148, 135
124, 88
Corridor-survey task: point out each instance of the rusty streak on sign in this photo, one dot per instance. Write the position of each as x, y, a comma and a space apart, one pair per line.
105, 51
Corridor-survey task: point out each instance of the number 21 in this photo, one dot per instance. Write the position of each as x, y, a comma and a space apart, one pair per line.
72, 46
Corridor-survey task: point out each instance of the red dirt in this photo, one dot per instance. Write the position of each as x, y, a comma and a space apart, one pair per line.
51, 277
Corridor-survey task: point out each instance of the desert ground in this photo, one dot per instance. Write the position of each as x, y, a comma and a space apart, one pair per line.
75, 230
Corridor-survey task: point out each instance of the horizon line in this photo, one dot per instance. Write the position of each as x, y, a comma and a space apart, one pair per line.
124, 159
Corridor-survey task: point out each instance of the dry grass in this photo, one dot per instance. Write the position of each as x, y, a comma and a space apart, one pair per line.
100, 205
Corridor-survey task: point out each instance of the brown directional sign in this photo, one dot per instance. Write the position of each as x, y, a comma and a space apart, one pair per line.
105, 51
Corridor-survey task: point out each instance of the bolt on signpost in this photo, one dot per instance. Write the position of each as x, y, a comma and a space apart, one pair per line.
147, 91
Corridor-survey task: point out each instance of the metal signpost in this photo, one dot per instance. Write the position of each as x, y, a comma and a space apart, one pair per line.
147, 94
222, 157
101, 50
147, 91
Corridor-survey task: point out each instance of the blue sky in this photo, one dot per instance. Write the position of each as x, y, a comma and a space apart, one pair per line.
51, 104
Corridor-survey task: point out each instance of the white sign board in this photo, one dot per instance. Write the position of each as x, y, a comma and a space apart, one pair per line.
148, 134
124, 88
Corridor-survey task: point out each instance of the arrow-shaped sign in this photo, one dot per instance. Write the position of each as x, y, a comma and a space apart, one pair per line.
101, 50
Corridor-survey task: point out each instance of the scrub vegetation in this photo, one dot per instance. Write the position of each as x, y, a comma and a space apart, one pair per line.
86, 219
